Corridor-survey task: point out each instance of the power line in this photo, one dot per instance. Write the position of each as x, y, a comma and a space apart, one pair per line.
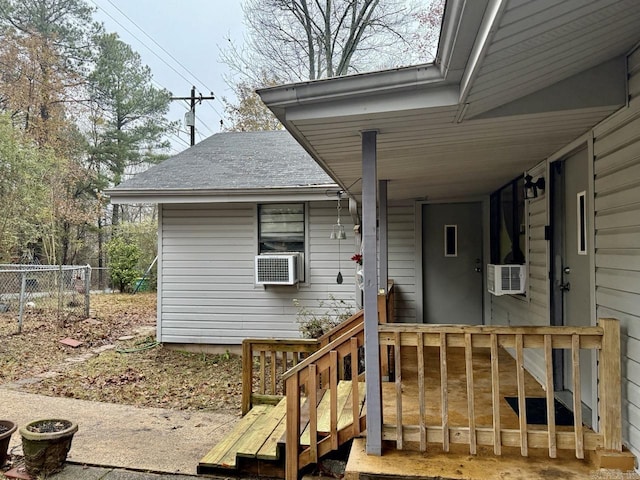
152, 50
141, 42
191, 118
161, 48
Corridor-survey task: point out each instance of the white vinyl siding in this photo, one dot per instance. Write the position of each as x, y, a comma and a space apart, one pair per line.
516, 310
402, 267
617, 244
207, 274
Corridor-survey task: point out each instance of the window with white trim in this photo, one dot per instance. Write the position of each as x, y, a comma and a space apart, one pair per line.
281, 227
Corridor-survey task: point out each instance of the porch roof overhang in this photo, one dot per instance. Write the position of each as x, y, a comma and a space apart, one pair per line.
514, 81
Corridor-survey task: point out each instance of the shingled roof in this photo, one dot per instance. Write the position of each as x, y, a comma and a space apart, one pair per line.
233, 160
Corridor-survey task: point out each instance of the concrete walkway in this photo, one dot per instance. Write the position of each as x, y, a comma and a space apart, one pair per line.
121, 436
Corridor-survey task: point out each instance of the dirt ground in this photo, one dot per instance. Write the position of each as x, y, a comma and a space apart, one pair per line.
118, 360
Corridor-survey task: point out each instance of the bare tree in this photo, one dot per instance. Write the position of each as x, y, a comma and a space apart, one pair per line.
299, 40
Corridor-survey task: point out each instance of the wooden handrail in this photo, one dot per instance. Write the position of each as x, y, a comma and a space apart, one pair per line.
315, 376
318, 355
340, 329
604, 339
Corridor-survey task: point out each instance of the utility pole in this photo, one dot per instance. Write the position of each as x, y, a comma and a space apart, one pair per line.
193, 100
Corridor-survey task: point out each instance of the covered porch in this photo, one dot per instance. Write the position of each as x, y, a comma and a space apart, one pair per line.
510, 97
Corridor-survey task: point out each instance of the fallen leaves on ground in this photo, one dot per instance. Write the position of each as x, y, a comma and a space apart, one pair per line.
146, 375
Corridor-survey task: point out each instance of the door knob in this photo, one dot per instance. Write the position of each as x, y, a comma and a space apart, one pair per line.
565, 287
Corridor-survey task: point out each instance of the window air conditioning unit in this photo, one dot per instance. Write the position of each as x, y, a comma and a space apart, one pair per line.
277, 269
506, 279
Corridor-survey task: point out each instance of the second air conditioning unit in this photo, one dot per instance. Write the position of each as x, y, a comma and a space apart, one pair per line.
506, 279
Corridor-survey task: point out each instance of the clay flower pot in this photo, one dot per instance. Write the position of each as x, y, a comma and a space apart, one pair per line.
45, 445
7, 428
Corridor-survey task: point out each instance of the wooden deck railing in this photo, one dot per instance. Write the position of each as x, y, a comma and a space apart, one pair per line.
468, 342
309, 380
263, 363
265, 360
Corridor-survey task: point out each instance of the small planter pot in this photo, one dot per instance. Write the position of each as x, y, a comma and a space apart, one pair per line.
45, 445
6, 430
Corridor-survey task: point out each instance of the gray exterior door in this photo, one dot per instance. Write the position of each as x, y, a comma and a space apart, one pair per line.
452, 263
571, 263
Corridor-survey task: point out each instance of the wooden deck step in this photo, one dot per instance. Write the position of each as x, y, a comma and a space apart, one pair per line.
263, 429
345, 416
223, 455
256, 445
273, 446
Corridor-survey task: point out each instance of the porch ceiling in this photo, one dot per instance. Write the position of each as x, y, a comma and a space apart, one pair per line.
538, 74
426, 154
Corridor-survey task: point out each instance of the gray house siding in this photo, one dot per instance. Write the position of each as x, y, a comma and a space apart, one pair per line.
207, 274
532, 309
206, 277
617, 242
402, 267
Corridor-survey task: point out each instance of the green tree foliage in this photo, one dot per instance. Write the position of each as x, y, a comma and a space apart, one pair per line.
144, 234
128, 121
123, 256
43, 54
24, 195
45, 46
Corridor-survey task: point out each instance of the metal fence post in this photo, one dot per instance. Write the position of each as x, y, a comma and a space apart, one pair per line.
60, 295
23, 288
87, 287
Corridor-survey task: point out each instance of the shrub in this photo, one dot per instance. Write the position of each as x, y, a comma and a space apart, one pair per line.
123, 262
315, 322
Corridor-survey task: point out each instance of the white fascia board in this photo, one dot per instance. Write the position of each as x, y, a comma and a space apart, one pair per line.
338, 88
377, 92
302, 194
488, 28
410, 99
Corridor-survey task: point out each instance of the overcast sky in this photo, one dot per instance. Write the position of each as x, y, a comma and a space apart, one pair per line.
192, 31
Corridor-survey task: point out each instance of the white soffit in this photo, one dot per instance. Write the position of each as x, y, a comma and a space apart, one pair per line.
541, 42
429, 155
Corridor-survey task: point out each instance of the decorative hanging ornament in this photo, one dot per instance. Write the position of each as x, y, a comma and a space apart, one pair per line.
338, 233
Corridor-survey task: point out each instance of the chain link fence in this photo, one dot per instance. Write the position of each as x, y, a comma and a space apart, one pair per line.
62, 290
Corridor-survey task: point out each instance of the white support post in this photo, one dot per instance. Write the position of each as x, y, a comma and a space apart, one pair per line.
370, 266
384, 235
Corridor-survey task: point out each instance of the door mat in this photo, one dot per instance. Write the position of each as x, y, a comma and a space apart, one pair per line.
537, 411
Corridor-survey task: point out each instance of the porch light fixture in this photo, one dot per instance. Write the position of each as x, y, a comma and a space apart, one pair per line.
531, 188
